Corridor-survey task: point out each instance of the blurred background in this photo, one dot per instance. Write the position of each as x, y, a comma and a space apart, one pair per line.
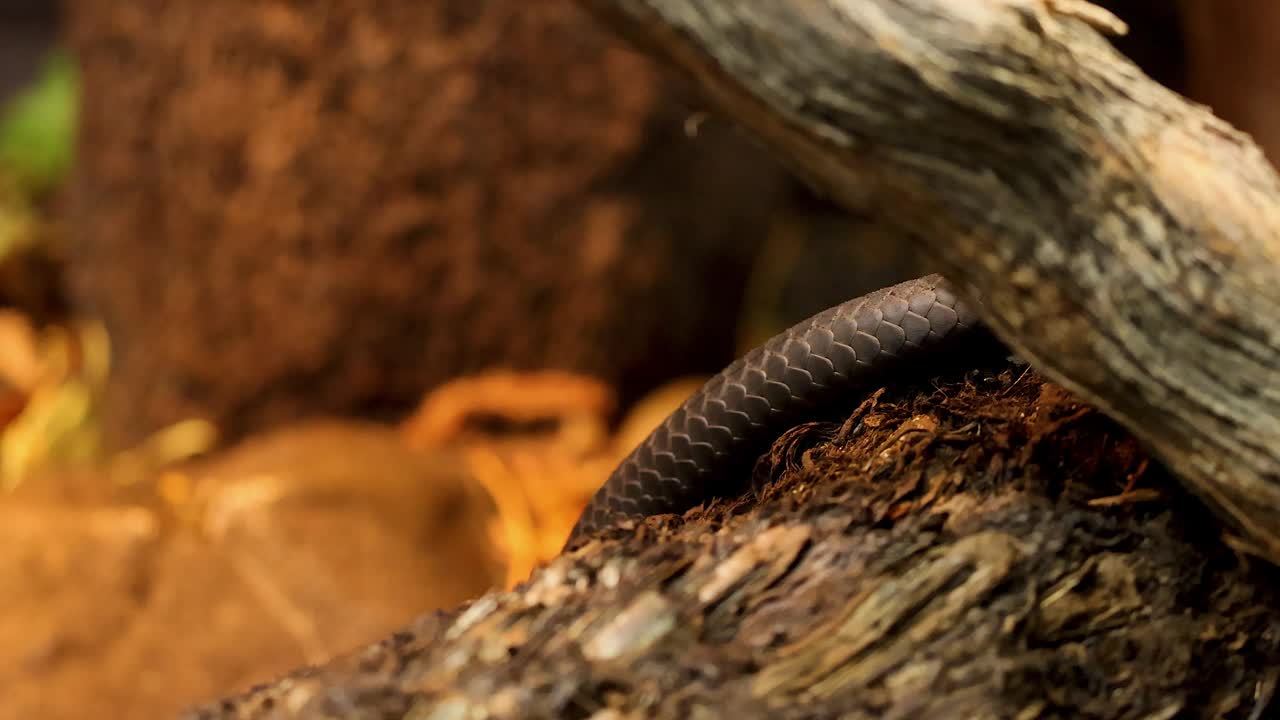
317, 315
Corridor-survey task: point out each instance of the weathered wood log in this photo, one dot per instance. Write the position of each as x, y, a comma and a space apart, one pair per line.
1124, 240
950, 550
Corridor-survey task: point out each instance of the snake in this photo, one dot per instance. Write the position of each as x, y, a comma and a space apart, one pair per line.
696, 453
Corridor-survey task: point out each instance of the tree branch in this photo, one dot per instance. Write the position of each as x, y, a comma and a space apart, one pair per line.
1122, 239
953, 550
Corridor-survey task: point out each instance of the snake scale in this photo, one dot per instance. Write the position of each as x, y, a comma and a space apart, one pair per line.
691, 457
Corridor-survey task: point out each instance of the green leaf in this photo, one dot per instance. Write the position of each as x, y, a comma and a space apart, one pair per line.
38, 128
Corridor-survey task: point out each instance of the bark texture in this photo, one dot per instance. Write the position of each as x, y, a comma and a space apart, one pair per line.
327, 207
950, 549
1124, 240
